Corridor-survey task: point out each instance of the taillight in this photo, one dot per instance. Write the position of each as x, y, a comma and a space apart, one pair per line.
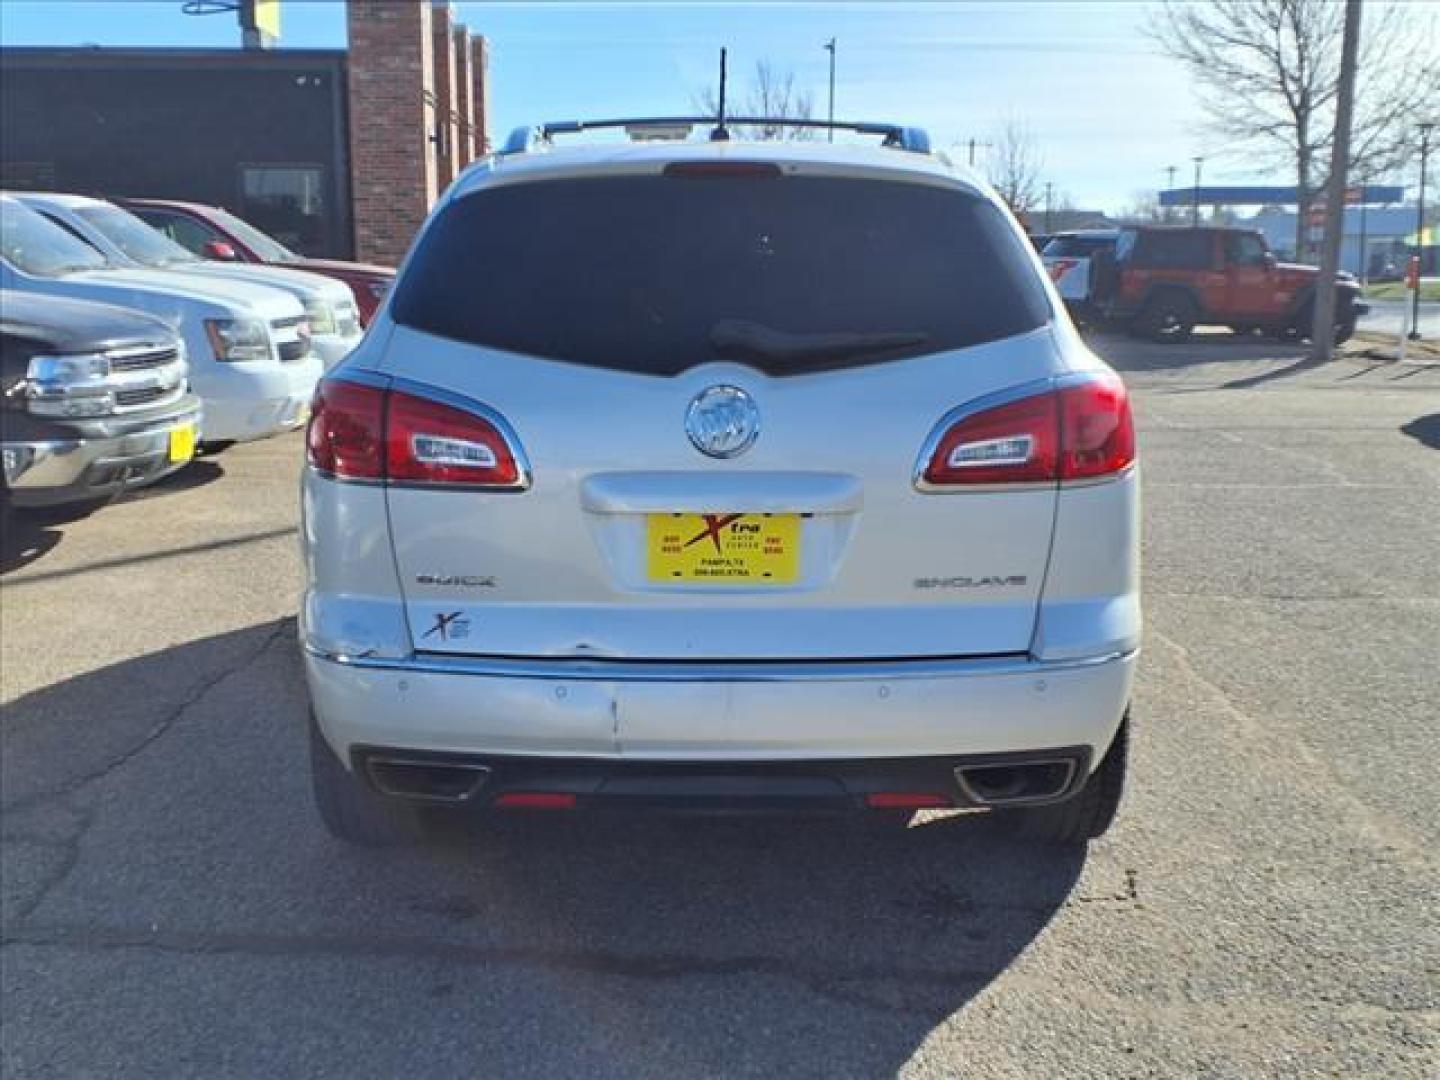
429, 442
346, 433
361, 432
1078, 431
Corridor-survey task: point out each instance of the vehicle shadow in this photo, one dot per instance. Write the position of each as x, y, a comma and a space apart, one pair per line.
678, 946
30, 535
1425, 430
1125, 353
25, 539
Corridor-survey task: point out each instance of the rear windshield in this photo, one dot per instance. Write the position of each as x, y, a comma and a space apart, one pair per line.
658, 274
1077, 247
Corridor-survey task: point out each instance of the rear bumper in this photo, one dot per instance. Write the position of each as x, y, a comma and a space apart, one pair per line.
54, 472
730, 713
496, 781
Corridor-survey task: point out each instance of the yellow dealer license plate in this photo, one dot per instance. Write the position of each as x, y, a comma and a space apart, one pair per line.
182, 442
734, 549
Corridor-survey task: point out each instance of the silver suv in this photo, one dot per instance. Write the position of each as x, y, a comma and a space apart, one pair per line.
709, 473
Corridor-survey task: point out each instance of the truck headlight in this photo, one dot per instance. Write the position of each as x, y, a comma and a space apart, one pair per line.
238, 339
62, 371
321, 316
68, 386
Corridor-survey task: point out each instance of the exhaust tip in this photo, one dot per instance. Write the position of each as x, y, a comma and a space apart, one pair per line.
1017, 783
427, 781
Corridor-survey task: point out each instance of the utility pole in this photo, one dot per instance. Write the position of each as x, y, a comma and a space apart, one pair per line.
1425, 129
972, 143
830, 48
1195, 195
1164, 211
1049, 187
1322, 332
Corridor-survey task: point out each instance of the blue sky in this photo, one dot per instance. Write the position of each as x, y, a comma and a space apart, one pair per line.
1107, 112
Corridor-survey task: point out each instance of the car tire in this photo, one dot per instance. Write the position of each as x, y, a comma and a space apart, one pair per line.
350, 810
1168, 318
1344, 331
1085, 816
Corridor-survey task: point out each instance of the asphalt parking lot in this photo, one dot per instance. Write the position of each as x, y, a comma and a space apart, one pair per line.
1264, 907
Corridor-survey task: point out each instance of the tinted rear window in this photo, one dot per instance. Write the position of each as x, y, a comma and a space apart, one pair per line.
1175, 249
636, 273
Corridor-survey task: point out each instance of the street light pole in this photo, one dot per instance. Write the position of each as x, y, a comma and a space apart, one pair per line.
1425, 130
1049, 187
1195, 195
830, 48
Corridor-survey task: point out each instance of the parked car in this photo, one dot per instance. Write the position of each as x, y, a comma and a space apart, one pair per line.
1068, 257
247, 345
810, 499
94, 399
215, 233
125, 240
1166, 281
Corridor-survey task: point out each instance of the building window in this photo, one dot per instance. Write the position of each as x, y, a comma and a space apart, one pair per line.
288, 202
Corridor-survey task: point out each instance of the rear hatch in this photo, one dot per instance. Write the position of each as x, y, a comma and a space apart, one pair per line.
617, 324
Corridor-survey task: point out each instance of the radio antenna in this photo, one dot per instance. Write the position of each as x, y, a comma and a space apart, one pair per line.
720, 134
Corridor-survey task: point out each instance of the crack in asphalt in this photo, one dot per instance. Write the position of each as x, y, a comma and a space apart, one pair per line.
62, 794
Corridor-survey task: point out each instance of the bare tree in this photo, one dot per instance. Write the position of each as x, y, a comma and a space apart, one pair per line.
1013, 166
1268, 75
771, 94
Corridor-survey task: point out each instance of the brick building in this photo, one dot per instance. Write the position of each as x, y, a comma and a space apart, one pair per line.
335, 152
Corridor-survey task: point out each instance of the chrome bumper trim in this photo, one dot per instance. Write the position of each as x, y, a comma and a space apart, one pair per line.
64, 463
719, 671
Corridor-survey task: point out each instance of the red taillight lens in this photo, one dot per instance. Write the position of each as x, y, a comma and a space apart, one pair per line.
1097, 434
905, 800
1013, 443
346, 433
429, 442
1077, 432
360, 432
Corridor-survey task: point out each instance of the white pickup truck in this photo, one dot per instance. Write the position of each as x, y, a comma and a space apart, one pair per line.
1068, 259
248, 345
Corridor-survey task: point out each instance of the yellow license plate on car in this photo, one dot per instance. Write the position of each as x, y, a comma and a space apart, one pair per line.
182, 442
724, 549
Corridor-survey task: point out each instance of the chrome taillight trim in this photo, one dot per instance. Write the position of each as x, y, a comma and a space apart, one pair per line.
478, 409
1008, 396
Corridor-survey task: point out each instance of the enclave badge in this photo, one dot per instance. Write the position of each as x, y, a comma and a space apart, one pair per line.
722, 421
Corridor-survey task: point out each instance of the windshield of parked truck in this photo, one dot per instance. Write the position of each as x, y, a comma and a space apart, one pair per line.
35, 246
265, 246
144, 243
657, 274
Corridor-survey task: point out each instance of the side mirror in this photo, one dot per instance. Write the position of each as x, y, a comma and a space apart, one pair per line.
220, 251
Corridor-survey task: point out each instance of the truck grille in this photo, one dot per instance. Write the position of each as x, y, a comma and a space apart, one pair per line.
150, 395
138, 359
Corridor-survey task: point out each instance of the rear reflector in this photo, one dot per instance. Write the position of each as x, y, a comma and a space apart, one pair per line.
362, 432
1077, 432
536, 800
905, 800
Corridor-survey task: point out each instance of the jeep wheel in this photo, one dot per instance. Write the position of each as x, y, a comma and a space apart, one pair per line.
1168, 318
349, 809
1299, 328
1087, 815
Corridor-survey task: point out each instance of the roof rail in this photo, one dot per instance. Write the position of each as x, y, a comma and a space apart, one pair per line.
524, 140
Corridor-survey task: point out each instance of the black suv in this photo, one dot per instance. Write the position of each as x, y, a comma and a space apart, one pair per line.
94, 399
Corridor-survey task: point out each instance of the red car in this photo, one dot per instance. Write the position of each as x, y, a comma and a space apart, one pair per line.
216, 233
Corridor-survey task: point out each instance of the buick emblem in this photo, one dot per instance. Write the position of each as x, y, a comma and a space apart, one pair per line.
722, 421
